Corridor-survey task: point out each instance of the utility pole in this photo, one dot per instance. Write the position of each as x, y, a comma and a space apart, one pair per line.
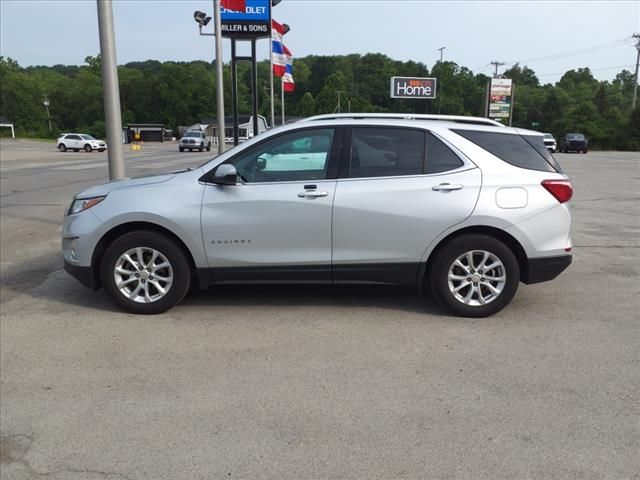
340, 92
111, 89
46, 106
635, 81
496, 64
441, 50
219, 79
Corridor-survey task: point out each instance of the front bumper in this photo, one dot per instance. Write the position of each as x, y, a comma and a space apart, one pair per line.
546, 268
83, 274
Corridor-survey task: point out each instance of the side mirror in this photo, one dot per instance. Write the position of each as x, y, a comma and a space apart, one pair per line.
261, 163
225, 174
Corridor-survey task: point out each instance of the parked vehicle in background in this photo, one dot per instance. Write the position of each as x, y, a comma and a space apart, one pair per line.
550, 142
463, 208
574, 142
80, 141
195, 140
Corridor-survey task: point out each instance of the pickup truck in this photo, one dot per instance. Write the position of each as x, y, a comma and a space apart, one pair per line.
195, 140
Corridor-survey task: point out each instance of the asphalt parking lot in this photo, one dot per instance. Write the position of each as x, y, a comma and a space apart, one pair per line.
306, 382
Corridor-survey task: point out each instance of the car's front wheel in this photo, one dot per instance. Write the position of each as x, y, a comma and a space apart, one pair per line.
87, 148
145, 272
475, 275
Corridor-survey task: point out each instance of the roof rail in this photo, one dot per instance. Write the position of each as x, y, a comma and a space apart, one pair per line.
407, 116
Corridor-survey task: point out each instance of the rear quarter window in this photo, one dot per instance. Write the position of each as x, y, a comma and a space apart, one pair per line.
520, 151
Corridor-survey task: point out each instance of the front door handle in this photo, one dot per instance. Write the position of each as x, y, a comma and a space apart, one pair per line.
446, 187
312, 194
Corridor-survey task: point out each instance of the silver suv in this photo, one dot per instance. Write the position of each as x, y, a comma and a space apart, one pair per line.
79, 141
463, 207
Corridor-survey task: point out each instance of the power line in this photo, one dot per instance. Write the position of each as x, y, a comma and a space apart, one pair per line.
571, 53
590, 69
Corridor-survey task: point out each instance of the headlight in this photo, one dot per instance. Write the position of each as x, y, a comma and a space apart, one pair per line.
81, 204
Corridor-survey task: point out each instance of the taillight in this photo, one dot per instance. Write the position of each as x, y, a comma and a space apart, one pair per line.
560, 189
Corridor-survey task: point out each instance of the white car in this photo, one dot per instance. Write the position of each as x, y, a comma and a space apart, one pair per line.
80, 141
459, 206
550, 142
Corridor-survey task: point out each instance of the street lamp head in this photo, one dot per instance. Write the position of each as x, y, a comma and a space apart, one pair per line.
46, 103
201, 18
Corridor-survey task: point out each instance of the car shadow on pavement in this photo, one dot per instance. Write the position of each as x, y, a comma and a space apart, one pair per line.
43, 278
366, 296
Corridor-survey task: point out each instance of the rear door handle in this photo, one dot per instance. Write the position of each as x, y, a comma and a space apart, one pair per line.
446, 187
312, 194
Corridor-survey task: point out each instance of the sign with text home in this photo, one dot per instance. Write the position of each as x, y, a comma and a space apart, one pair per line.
412, 87
254, 22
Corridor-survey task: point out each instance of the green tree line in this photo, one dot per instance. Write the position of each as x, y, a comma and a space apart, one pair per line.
182, 93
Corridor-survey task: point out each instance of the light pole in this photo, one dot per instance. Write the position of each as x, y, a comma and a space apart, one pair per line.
46, 106
440, 93
111, 90
202, 20
636, 36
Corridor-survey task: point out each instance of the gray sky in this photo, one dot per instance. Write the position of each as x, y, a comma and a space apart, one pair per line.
549, 36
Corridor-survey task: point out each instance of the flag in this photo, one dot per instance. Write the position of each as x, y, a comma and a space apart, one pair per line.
278, 56
234, 5
287, 80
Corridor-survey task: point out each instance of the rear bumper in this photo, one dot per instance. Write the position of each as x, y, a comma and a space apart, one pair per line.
547, 268
83, 274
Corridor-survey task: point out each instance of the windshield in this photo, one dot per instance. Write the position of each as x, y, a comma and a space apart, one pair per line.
575, 136
87, 137
548, 135
192, 134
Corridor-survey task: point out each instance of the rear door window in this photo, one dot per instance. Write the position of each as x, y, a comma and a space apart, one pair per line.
514, 149
386, 152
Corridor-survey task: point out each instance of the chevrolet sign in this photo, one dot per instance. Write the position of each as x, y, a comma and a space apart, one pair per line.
412, 87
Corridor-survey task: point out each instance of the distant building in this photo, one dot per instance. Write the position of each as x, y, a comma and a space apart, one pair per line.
149, 132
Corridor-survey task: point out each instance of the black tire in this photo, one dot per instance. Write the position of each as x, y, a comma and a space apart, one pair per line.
172, 252
87, 148
201, 147
62, 147
455, 248
209, 148
181, 149
101, 149
584, 151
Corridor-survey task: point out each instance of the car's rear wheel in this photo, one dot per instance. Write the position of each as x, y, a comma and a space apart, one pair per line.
145, 272
475, 275
87, 148
62, 147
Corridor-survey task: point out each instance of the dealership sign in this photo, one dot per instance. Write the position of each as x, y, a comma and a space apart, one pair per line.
500, 92
254, 22
412, 87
